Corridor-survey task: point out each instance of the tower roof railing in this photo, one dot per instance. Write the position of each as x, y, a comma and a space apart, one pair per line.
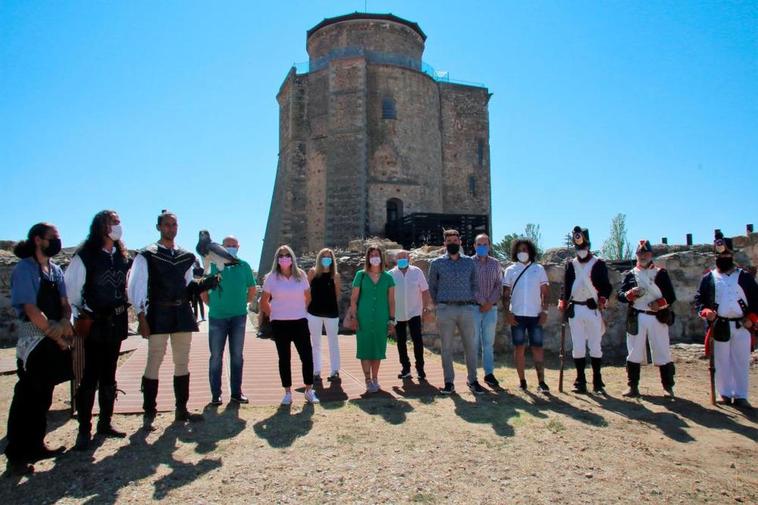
305, 67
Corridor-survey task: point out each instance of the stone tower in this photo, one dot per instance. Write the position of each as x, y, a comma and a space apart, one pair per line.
369, 133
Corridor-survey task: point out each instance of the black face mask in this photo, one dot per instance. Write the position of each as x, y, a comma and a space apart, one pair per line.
453, 248
725, 264
53, 247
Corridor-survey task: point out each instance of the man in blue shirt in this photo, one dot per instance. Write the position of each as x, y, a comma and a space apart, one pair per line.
453, 286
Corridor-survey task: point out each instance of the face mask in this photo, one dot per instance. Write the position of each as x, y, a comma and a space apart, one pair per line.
233, 251
453, 248
582, 253
53, 247
725, 264
285, 261
375, 261
523, 257
402, 263
115, 233
482, 250
326, 262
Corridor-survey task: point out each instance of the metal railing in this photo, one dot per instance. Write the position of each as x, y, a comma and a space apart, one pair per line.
381, 58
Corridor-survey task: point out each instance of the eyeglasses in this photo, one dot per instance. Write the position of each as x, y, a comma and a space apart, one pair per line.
284, 256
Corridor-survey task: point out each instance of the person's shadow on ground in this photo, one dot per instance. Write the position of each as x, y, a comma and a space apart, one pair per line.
283, 427
332, 397
391, 409
707, 417
102, 480
667, 423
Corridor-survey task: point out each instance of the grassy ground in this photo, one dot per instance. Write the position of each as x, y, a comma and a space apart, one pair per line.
513, 447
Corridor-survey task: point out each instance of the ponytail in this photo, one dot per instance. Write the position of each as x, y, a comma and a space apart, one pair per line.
26, 248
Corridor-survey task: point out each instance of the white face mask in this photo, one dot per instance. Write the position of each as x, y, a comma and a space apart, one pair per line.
115, 233
523, 257
375, 261
582, 253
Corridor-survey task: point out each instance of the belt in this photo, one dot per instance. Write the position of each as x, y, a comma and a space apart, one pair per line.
109, 312
174, 303
648, 312
580, 303
458, 303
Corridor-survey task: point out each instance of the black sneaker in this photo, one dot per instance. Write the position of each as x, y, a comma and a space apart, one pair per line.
522, 384
240, 398
476, 388
598, 389
580, 388
404, 374
421, 374
448, 389
491, 380
334, 377
542, 387
726, 400
216, 400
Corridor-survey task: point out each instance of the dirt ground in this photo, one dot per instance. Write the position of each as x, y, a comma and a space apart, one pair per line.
511, 447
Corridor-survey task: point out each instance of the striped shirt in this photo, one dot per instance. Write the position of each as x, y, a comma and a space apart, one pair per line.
489, 276
452, 280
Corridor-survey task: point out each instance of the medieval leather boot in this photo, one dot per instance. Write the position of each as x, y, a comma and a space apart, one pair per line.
633, 380
107, 397
580, 384
597, 379
149, 405
181, 393
667, 379
85, 399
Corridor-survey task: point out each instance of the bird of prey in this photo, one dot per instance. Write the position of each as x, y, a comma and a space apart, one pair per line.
213, 253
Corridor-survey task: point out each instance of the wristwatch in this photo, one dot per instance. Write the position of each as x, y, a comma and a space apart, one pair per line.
393, 322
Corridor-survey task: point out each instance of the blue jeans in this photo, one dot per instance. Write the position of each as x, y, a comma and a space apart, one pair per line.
485, 325
218, 331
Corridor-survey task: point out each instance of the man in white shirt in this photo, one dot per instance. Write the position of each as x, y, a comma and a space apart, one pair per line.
412, 300
525, 300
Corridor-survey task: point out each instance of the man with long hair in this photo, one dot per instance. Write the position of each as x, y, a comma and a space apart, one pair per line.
160, 287
96, 284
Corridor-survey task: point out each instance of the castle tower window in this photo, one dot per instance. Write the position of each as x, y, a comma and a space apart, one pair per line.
394, 209
472, 185
388, 108
480, 152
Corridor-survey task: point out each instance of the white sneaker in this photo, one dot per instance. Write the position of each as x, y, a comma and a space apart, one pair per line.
287, 400
310, 397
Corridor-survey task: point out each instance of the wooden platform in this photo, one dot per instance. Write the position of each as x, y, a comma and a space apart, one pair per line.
260, 376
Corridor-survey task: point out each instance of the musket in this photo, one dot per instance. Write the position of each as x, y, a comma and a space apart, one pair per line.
562, 355
711, 362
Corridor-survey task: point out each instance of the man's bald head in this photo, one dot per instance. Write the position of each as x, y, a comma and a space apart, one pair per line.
230, 241
403, 254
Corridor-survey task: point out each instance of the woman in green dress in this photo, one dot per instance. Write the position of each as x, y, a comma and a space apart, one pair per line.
373, 305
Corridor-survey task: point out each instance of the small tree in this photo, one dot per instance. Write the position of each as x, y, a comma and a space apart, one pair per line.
617, 247
568, 240
533, 233
502, 249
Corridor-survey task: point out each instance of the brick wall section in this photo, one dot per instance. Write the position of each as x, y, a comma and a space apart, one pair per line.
464, 121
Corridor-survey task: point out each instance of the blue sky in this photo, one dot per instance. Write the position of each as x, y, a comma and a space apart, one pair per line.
598, 108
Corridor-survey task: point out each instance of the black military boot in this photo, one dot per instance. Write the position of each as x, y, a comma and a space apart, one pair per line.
667, 379
181, 393
580, 384
107, 397
597, 379
85, 399
633, 380
149, 395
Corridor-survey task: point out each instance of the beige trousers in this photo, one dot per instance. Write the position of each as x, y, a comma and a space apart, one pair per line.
156, 349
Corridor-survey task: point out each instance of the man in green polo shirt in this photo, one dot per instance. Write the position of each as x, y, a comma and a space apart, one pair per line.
227, 319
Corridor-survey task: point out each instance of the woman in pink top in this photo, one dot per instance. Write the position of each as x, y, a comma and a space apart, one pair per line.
286, 294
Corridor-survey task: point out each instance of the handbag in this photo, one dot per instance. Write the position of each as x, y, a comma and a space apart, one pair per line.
265, 329
83, 325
